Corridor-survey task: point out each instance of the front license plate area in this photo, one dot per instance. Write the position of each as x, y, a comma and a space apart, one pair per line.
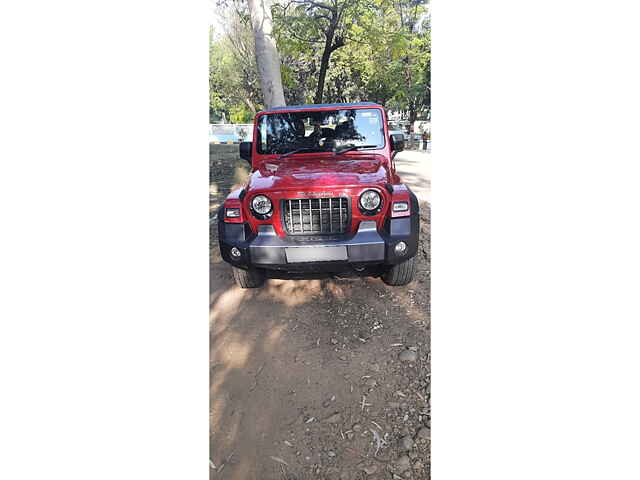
316, 254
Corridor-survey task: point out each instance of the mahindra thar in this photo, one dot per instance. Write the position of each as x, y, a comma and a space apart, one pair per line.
323, 197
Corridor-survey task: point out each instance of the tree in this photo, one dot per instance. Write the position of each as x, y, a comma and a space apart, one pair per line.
415, 23
368, 66
241, 45
350, 50
382, 54
267, 57
319, 22
234, 88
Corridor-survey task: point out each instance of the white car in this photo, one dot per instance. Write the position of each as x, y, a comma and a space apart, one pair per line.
397, 128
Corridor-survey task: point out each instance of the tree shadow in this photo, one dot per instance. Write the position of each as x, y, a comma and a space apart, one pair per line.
279, 354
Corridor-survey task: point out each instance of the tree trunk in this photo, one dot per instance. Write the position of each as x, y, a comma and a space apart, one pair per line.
413, 114
324, 65
329, 48
250, 104
267, 56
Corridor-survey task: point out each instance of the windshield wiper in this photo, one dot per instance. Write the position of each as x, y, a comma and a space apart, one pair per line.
353, 147
294, 151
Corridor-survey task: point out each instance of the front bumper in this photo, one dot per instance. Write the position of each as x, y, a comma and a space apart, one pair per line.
367, 247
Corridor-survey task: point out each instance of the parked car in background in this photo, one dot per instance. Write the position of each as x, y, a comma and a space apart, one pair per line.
398, 128
323, 196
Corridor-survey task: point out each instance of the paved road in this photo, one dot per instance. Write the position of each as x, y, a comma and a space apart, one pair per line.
415, 170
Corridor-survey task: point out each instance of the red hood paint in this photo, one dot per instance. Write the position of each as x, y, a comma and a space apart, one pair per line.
320, 171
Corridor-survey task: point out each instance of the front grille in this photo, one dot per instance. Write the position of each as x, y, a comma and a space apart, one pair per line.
306, 216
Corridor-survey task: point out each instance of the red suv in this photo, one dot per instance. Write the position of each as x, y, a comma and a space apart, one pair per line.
323, 196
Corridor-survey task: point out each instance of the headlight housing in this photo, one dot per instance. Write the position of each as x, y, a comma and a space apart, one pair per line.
370, 200
261, 205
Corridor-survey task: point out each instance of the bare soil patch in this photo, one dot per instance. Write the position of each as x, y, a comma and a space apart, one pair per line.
318, 379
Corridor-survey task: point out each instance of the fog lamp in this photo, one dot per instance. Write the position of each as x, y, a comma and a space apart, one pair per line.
400, 248
236, 253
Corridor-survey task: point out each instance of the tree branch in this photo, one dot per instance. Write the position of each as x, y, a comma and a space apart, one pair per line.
322, 16
316, 4
306, 40
338, 42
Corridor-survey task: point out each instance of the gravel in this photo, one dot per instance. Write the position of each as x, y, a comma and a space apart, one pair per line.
406, 443
403, 463
408, 356
335, 418
424, 433
370, 469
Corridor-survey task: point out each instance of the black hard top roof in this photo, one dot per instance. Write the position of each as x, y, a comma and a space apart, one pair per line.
324, 105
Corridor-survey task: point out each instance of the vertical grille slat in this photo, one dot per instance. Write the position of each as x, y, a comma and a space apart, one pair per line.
315, 215
300, 212
290, 212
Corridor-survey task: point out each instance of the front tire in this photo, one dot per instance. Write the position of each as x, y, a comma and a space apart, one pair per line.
251, 278
400, 274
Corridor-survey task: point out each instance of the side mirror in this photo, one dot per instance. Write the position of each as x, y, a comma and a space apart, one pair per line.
397, 142
245, 151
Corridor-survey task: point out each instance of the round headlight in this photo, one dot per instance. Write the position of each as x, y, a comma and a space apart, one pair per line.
261, 204
370, 200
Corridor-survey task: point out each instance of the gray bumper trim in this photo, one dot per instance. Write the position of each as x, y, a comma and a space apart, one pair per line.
365, 246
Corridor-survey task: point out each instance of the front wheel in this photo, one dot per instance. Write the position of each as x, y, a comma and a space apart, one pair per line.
248, 278
400, 274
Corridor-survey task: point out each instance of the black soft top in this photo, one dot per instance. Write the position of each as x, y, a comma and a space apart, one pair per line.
323, 105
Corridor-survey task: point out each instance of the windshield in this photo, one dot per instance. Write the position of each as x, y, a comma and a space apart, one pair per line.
319, 131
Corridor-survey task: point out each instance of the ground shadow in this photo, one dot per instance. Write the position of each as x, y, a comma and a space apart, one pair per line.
305, 375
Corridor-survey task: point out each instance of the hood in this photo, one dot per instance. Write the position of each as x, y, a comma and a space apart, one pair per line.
297, 173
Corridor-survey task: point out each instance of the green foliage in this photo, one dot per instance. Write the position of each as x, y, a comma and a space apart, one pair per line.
240, 114
234, 87
385, 56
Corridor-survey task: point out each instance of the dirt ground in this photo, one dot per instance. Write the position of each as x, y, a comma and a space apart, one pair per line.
321, 378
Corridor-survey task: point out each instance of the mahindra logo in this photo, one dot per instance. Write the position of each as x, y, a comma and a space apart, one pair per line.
311, 238
315, 194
